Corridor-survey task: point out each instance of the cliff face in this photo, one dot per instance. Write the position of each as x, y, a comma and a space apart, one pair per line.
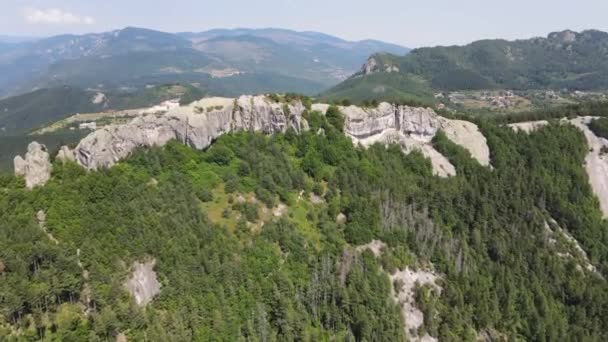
413, 129
196, 125
200, 123
35, 167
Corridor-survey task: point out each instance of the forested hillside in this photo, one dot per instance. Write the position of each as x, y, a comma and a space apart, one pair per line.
563, 60
255, 239
239, 60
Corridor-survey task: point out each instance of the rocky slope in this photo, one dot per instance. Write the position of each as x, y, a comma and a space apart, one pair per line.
201, 122
413, 129
196, 125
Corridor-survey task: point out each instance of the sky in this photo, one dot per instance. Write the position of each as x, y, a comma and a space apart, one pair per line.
409, 23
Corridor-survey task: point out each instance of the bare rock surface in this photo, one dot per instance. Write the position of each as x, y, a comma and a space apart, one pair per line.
405, 294
596, 163
197, 125
573, 247
467, 135
35, 167
413, 129
201, 122
528, 126
143, 284
376, 247
65, 154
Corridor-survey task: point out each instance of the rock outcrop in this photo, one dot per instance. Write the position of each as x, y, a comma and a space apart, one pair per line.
35, 167
467, 135
196, 125
596, 162
143, 284
413, 129
201, 122
370, 66
65, 154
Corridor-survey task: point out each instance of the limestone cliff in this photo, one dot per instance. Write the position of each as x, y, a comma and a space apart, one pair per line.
201, 122
413, 129
196, 125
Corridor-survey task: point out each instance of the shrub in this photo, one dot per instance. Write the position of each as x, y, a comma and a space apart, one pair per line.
205, 195
335, 118
220, 155
265, 197
248, 210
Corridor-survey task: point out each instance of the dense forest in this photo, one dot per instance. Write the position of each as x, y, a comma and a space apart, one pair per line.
232, 269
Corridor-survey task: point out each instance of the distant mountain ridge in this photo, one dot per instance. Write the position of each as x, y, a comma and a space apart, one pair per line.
132, 56
565, 59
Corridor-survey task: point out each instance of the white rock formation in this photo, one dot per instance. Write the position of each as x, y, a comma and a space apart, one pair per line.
467, 135
370, 66
143, 284
414, 128
529, 126
201, 122
596, 164
573, 248
65, 154
376, 247
405, 295
35, 167
197, 125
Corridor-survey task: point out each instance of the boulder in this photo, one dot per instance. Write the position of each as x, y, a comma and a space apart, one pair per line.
35, 167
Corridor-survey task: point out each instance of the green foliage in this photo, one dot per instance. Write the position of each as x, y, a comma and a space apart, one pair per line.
599, 127
551, 63
248, 209
335, 118
298, 276
220, 155
205, 195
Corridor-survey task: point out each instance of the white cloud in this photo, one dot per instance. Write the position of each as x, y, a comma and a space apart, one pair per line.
55, 16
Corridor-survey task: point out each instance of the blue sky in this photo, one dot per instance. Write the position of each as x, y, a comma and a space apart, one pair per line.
411, 23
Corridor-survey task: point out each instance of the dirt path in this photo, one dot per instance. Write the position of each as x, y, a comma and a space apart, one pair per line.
41, 216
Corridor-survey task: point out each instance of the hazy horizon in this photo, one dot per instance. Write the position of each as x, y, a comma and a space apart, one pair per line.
408, 23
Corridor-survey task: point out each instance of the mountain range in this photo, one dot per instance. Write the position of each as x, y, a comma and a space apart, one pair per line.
562, 60
224, 60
